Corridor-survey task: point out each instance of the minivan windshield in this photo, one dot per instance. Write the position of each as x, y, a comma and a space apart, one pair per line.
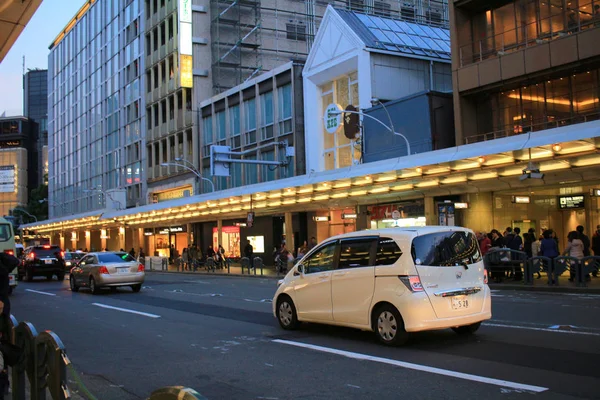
445, 249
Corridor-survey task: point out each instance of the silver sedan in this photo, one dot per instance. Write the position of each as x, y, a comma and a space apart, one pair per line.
107, 269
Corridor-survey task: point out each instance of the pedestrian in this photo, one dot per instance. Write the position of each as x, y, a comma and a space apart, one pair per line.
185, 259
142, 256
585, 239
535, 250
172, 254
497, 239
574, 249
302, 250
485, 243
313, 243
132, 252
249, 251
7, 264
221, 256
549, 248
528, 239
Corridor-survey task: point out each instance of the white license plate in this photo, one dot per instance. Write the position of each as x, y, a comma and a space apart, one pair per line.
460, 303
48, 261
123, 270
11, 278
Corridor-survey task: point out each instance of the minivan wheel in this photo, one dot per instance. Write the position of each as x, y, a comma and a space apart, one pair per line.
467, 329
286, 313
389, 326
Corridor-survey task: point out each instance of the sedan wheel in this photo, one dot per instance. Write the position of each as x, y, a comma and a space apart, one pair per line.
136, 288
74, 287
286, 313
93, 286
389, 326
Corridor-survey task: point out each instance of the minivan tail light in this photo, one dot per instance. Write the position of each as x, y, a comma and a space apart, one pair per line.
32, 255
412, 282
12, 253
485, 276
103, 270
141, 268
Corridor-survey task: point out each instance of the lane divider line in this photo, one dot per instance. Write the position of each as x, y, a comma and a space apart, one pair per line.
531, 328
127, 310
38, 292
417, 367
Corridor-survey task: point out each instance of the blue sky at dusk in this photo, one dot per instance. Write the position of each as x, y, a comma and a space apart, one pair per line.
44, 26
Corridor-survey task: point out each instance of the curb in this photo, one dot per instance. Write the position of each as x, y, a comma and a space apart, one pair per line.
199, 274
545, 289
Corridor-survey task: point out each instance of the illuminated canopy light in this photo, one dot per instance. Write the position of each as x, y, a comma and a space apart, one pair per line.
403, 187
380, 189
339, 195
427, 183
483, 175
321, 197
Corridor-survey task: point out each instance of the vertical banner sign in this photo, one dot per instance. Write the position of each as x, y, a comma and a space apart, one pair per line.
186, 64
7, 179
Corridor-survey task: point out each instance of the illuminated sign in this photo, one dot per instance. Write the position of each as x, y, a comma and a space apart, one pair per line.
349, 216
7, 179
186, 71
172, 229
320, 219
186, 65
170, 195
461, 205
258, 243
521, 199
332, 118
104, 234
567, 202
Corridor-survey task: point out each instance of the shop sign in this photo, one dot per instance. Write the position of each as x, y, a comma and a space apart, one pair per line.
171, 229
595, 192
7, 178
461, 205
568, 202
170, 195
521, 199
321, 218
332, 118
397, 211
250, 219
148, 231
349, 216
241, 224
228, 229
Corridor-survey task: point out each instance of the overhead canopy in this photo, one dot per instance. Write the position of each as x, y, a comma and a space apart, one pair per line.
14, 15
489, 165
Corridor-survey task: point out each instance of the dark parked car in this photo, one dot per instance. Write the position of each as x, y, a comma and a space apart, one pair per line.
72, 258
45, 260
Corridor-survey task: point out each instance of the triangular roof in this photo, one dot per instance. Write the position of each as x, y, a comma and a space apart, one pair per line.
342, 33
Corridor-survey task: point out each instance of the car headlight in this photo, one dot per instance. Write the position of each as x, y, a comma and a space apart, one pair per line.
68, 263
280, 282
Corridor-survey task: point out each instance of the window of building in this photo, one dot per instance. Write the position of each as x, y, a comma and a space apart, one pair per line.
284, 106
408, 12
221, 130
356, 5
236, 174
249, 121
266, 110
268, 171
250, 172
296, 32
207, 135
339, 151
234, 126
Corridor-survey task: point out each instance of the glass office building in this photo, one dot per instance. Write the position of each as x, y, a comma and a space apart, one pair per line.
95, 110
35, 107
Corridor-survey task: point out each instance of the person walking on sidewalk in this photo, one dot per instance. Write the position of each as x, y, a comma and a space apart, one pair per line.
574, 249
596, 247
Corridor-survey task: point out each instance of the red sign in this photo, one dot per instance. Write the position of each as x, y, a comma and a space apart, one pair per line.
228, 229
382, 212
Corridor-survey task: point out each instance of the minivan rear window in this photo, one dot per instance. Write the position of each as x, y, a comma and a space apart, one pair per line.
46, 252
445, 249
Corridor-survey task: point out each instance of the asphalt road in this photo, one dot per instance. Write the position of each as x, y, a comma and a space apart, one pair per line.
217, 335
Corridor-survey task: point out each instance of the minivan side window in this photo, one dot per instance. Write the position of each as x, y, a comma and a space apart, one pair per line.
445, 249
388, 251
355, 253
321, 260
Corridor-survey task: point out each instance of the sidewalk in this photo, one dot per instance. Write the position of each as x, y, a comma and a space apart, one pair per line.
539, 285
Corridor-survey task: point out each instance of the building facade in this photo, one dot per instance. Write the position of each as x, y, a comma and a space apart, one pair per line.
96, 117
18, 168
35, 107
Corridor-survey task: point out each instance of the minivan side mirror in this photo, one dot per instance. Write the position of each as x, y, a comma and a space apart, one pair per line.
299, 270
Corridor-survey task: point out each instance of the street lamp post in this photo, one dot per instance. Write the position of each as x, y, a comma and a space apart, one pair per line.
106, 194
179, 162
54, 203
25, 212
391, 129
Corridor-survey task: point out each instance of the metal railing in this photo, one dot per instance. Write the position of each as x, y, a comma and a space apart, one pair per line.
519, 267
528, 35
44, 366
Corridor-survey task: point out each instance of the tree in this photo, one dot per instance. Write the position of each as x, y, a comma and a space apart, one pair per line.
38, 203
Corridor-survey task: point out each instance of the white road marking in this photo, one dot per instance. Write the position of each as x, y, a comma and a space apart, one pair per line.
352, 386
37, 291
417, 367
127, 310
531, 328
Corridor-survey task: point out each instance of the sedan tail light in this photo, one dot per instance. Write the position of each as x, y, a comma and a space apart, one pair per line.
141, 268
32, 255
412, 282
103, 270
12, 253
485, 276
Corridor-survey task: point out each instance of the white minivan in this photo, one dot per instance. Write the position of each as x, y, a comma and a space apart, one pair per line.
390, 281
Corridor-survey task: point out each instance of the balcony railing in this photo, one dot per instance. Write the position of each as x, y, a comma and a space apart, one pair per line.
529, 35
531, 127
